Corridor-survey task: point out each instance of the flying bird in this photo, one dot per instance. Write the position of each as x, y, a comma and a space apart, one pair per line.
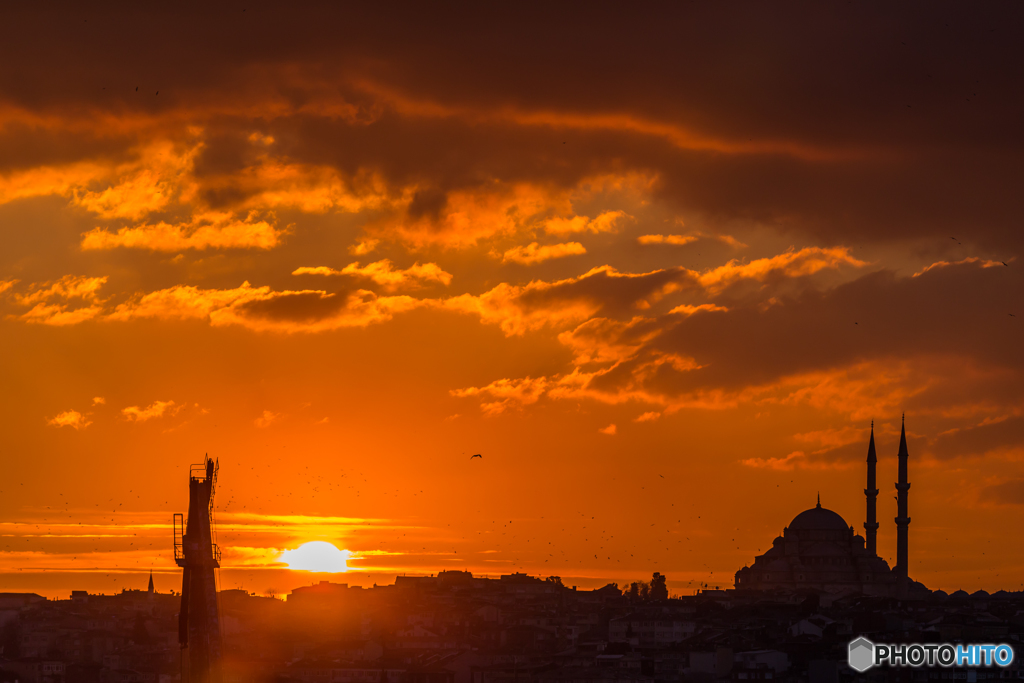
476, 456
1005, 264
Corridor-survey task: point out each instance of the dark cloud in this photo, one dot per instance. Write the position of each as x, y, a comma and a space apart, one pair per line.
874, 123
427, 202
305, 307
979, 440
958, 310
1005, 493
225, 152
24, 146
614, 293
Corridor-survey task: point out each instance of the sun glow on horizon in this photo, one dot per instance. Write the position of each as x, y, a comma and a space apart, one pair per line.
317, 556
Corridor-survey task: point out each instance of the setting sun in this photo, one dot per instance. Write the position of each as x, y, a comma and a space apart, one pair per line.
316, 556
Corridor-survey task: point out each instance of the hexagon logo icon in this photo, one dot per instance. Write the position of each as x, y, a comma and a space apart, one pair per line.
862, 655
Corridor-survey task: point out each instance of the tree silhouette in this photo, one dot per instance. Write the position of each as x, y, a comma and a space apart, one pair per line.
639, 591
659, 588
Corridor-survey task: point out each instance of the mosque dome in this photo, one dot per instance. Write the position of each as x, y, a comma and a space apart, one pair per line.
818, 519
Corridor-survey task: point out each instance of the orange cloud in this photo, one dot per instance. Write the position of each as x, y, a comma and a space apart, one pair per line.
785, 463
533, 253
464, 218
160, 177
70, 418
363, 247
521, 308
6, 284
146, 185
160, 174
833, 438
260, 308
58, 314
621, 382
607, 341
517, 392
67, 287
609, 430
152, 177
791, 264
266, 419
382, 273
985, 263
677, 240
647, 417
606, 222
470, 216
730, 240
503, 306
680, 240
271, 183
860, 390
797, 460
630, 379
49, 180
156, 409
216, 230
688, 309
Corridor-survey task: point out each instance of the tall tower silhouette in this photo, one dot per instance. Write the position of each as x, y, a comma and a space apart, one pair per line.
902, 516
871, 493
198, 556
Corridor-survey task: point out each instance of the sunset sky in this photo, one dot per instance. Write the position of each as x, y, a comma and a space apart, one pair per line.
660, 267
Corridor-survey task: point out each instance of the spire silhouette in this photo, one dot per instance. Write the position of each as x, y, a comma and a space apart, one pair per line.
871, 444
871, 495
819, 498
903, 516
903, 439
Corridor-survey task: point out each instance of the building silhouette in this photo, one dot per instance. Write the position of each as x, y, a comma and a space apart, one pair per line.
199, 630
820, 552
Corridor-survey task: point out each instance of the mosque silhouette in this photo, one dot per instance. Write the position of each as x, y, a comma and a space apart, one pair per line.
820, 552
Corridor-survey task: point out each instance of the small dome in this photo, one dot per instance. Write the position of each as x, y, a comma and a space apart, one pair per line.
818, 518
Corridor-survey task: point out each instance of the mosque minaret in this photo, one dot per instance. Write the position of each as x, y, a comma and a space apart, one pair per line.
902, 516
871, 493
